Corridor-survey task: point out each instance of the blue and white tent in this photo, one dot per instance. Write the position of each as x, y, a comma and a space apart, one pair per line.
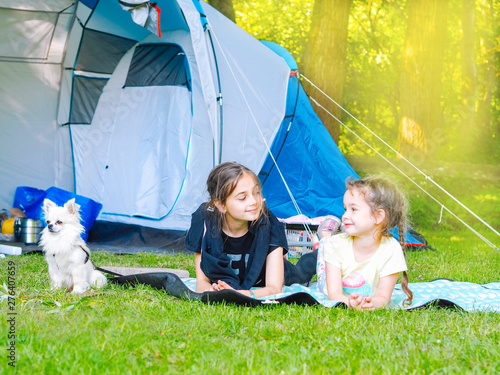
93, 103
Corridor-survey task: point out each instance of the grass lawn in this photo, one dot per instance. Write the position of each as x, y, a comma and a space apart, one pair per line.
143, 331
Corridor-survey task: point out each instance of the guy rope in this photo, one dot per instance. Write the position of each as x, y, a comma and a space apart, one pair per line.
443, 207
309, 231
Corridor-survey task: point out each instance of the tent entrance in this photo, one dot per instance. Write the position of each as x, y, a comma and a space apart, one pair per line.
139, 135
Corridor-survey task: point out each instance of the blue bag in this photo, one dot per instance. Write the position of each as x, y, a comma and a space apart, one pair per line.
30, 200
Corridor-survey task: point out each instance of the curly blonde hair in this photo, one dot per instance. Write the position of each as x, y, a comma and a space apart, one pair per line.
381, 193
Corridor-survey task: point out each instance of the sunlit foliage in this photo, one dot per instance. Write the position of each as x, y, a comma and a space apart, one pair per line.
286, 22
376, 35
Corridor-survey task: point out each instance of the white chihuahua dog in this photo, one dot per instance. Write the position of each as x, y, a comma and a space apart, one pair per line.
66, 252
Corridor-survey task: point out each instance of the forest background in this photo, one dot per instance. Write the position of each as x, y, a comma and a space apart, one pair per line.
422, 75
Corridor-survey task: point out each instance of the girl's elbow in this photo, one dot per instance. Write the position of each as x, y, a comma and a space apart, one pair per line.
335, 295
275, 289
202, 286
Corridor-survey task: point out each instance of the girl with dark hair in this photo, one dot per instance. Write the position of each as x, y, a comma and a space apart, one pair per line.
363, 263
239, 243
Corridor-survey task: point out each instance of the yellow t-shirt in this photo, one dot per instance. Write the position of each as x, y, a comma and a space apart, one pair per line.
362, 278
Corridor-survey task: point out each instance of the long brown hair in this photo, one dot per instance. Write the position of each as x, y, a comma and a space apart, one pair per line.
221, 183
380, 193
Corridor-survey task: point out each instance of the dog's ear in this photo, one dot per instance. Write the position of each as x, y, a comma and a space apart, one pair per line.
71, 206
47, 203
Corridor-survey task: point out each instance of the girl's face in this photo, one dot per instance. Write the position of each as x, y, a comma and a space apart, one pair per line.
244, 203
358, 218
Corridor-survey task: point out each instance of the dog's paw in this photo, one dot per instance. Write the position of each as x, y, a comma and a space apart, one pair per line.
55, 286
99, 280
79, 289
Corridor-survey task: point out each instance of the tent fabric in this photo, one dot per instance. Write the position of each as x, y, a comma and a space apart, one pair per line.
144, 13
31, 154
39, 24
304, 152
99, 106
137, 120
317, 173
144, 152
132, 133
283, 52
307, 156
90, 3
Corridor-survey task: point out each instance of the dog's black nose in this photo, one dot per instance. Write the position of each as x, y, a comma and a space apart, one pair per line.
51, 226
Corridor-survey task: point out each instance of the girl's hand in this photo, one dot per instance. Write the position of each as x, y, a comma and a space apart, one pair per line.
355, 301
367, 304
215, 287
381, 298
274, 277
359, 302
221, 285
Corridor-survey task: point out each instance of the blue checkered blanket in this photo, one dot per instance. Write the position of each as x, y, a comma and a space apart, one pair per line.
441, 292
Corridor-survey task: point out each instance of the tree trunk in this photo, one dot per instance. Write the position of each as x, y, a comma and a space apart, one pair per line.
469, 71
420, 124
487, 121
324, 58
225, 7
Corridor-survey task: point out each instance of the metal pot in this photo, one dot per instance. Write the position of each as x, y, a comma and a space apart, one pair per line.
27, 230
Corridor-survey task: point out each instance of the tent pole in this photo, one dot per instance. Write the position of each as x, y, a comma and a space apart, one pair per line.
219, 98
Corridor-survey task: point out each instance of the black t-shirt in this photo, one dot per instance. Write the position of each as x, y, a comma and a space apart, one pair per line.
238, 251
205, 237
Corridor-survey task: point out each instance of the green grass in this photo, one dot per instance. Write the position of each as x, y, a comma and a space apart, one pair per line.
143, 331
475, 194
475, 186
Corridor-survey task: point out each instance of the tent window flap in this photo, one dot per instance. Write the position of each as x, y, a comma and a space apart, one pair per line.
86, 93
100, 52
158, 65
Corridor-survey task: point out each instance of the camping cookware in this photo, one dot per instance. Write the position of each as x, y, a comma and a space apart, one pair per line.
27, 230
